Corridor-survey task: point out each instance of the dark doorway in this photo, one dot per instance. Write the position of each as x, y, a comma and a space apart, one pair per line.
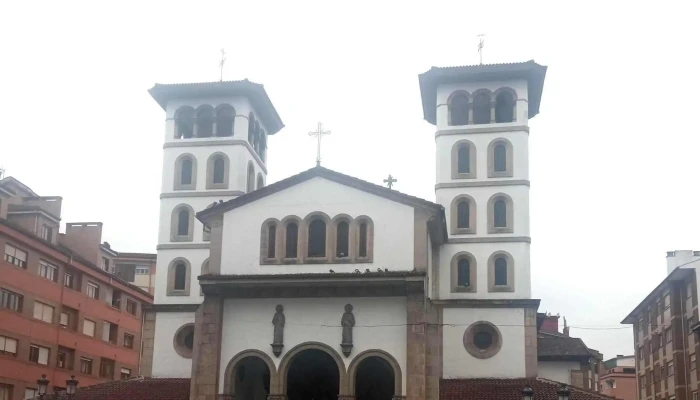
251, 379
313, 375
374, 380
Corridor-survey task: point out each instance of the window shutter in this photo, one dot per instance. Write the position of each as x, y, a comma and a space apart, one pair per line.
37, 310
10, 345
43, 355
64, 319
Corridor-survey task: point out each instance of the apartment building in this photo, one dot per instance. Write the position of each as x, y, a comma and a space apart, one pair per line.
61, 313
618, 377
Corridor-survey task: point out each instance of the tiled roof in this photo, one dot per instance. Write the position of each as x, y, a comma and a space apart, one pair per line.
508, 389
549, 345
133, 389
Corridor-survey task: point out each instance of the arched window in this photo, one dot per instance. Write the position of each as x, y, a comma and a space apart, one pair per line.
180, 276
459, 108
364, 235
251, 128
256, 138
219, 169
463, 278
260, 184
317, 238
224, 120
292, 237
500, 219
183, 223
186, 172
184, 123
505, 106
263, 145
463, 214
482, 108
250, 184
499, 158
271, 240
463, 159
205, 121
342, 246
501, 271
363, 240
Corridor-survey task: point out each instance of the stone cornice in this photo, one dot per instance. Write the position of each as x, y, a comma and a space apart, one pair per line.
485, 129
465, 183
171, 307
499, 239
488, 303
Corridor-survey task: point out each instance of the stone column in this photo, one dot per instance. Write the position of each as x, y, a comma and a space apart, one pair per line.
470, 113
493, 111
424, 346
149, 333
206, 355
531, 342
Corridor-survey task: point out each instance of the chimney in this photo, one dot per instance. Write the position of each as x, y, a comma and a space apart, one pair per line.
566, 329
550, 324
84, 238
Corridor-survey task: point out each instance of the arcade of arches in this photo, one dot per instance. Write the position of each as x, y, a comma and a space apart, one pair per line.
313, 371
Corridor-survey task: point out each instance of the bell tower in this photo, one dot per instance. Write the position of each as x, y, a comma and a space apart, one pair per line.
481, 116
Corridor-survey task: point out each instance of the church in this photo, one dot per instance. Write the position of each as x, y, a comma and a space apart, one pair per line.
357, 291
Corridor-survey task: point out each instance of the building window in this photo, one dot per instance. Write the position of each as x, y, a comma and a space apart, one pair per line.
15, 256
30, 393
128, 341
463, 160
667, 301
185, 172
204, 126
5, 392
505, 106
670, 369
501, 270
179, 272
107, 368
105, 264
10, 300
463, 273
68, 280
8, 346
463, 215
363, 240
93, 290
342, 248
691, 322
500, 158
125, 373
250, 181
463, 279
693, 361
500, 214
481, 106
39, 354
482, 340
644, 381
217, 171
271, 240
43, 312
89, 327
694, 395
182, 221
251, 129
184, 123
48, 271
64, 320
142, 271
184, 340
85, 366
224, 120
46, 233
131, 307
180, 276
317, 238
458, 108
65, 358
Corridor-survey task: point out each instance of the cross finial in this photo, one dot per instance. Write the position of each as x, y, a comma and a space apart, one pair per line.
318, 134
390, 181
481, 48
221, 64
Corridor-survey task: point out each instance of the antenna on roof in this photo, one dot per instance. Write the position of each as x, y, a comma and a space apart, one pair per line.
481, 47
2, 172
221, 65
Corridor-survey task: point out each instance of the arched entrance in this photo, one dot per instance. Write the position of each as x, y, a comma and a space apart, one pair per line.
313, 375
250, 375
374, 375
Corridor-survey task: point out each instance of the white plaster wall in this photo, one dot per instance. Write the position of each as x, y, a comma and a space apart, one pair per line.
444, 92
520, 252
393, 227
559, 371
379, 324
196, 257
509, 362
481, 141
520, 194
166, 362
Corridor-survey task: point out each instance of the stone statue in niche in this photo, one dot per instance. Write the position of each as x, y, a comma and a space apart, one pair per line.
278, 336
347, 322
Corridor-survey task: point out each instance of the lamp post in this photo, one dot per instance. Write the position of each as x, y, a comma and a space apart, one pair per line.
563, 392
528, 393
42, 383
71, 386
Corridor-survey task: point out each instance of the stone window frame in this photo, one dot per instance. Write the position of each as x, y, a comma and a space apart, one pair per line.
220, 109
178, 112
283, 239
455, 230
260, 182
455, 160
264, 240
454, 288
202, 109
508, 173
449, 106
482, 326
514, 96
170, 290
510, 270
306, 224
509, 214
351, 238
250, 178
179, 340
370, 239
174, 222
210, 171
177, 185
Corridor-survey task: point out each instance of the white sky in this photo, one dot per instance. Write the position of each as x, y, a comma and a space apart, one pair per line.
613, 152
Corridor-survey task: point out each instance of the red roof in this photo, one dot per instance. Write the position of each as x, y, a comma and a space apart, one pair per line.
509, 389
134, 389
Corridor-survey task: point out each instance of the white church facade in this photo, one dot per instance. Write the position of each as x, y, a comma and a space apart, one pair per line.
325, 286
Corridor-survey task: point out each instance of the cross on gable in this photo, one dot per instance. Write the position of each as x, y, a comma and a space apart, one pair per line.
390, 181
318, 134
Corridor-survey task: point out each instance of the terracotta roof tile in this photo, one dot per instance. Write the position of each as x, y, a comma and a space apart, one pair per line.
508, 389
557, 346
133, 389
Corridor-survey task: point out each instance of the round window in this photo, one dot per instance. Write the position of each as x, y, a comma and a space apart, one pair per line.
184, 340
189, 340
482, 339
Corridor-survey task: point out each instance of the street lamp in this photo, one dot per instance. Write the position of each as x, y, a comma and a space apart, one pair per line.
563, 392
71, 385
527, 392
43, 383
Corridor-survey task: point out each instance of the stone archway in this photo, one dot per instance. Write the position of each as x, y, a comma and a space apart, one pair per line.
375, 364
248, 372
308, 353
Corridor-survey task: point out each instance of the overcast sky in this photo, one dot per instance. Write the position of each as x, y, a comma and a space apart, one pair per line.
613, 152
